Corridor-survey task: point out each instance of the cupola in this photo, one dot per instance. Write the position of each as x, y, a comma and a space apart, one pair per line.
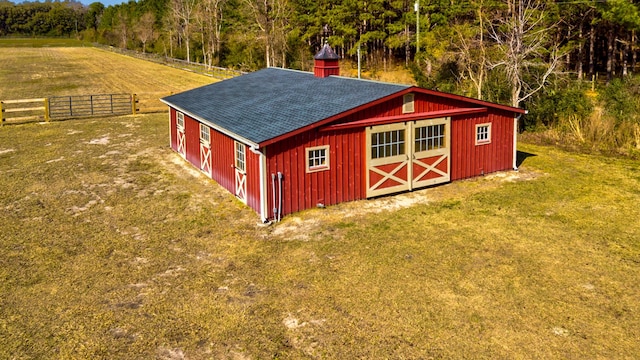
326, 62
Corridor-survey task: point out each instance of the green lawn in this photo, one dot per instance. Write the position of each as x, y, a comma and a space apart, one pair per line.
113, 247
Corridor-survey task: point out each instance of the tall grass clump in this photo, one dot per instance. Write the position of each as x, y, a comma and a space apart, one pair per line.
574, 116
621, 98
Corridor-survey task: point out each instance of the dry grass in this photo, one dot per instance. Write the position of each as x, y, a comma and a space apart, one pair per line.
395, 73
113, 247
27, 73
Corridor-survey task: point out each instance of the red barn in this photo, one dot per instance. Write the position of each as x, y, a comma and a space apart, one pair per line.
284, 140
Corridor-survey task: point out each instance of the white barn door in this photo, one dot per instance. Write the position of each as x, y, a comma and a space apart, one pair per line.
240, 171
205, 149
180, 137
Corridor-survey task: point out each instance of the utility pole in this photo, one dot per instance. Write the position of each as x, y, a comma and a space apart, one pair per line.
416, 8
359, 68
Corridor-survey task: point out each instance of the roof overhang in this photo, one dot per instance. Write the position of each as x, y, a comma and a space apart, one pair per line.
464, 99
405, 117
329, 119
213, 126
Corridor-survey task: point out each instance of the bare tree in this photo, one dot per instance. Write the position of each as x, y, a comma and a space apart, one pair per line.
144, 29
272, 20
183, 11
209, 18
472, 52
122, 27
526, 51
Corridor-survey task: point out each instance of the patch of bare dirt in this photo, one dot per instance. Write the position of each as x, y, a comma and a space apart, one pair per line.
100, 141
303, 334
299, 226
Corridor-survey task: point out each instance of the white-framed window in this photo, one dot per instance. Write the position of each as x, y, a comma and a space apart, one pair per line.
483, 134
408, 104
317, 158
387, 143
180, 120
205, 134
430, 138
241, 156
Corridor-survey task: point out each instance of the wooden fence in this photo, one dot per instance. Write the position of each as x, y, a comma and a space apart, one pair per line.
205, 69
30, 111
67, 107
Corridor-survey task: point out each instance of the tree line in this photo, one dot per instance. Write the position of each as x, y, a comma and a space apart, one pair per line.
518, 52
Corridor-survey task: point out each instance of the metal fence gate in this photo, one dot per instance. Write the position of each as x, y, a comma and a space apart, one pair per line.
90, 105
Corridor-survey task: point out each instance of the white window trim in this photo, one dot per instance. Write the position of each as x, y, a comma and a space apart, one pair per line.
408, 103
180, 120
488, 140
235, 157
204, 141
326, 166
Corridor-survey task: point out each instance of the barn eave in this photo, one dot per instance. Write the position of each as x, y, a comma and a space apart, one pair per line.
254, 146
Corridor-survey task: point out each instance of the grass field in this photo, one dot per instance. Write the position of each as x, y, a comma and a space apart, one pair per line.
41, 42
113, 247
27, 73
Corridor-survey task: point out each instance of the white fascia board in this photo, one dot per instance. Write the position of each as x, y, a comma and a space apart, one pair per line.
214, 126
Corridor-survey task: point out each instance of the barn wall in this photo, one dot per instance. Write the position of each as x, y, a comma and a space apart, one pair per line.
393, 107
468, 159
222, 158
192, 140
253, 180
344, 181
173, 136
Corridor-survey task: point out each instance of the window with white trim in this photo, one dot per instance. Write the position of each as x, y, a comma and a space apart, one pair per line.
317, 158
408, 104
430, 138
180, 120
205, 134
483, 134
241, 156
387, 143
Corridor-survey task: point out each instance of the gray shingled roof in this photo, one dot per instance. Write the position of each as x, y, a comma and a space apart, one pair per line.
265, 104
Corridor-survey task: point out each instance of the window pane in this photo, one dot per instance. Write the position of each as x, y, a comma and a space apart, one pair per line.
389, 143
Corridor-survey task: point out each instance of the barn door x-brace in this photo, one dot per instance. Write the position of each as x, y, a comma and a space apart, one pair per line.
408, 155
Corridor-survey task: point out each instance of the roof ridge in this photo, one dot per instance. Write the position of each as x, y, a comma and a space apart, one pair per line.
371, 81
342, 77
287, 69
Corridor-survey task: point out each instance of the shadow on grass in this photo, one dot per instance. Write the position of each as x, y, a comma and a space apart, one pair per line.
521, 156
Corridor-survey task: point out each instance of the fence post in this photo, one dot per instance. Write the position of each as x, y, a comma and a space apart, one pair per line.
134, 102
1, 113
46, 109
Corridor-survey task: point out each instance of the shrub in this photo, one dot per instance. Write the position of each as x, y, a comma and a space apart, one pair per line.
556, 105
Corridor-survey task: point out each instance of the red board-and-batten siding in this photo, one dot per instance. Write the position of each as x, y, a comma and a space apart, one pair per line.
222, 158
345, 179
